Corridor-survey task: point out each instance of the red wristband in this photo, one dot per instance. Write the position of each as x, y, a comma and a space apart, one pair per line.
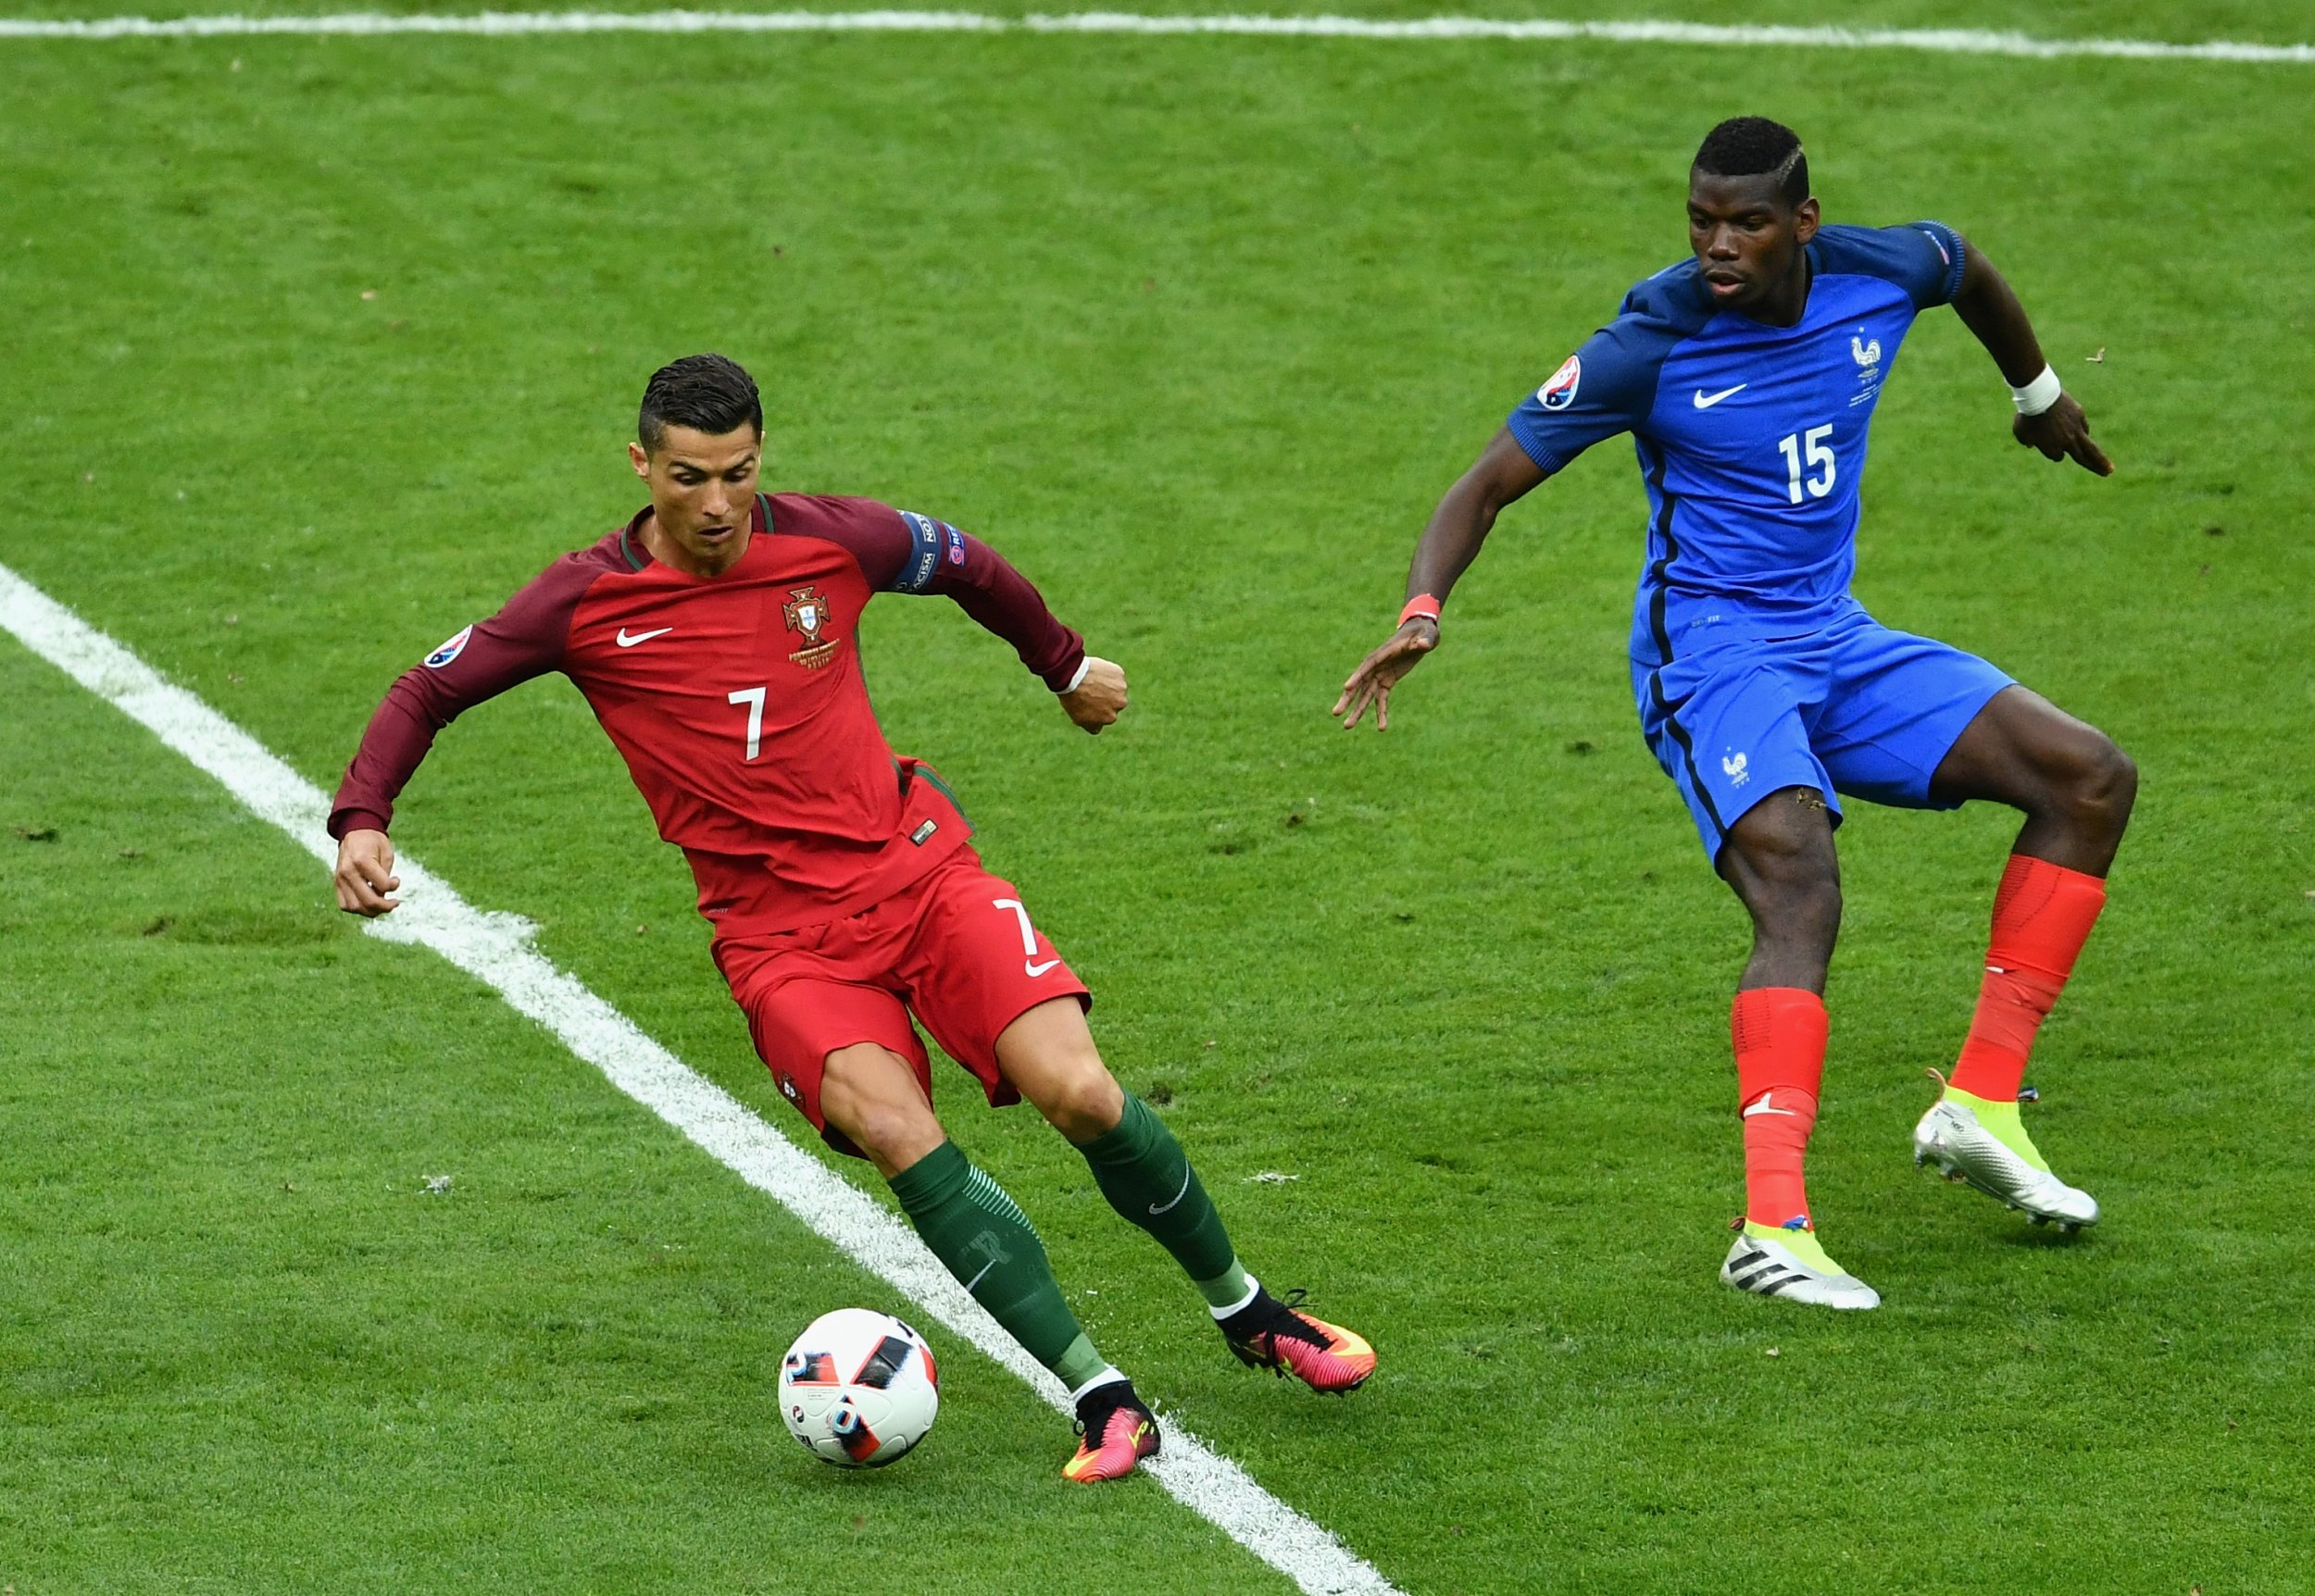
1422, 604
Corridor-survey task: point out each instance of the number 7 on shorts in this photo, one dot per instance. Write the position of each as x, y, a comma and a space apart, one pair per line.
1028, 937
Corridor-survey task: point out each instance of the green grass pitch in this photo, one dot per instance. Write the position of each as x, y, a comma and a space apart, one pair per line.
313, 350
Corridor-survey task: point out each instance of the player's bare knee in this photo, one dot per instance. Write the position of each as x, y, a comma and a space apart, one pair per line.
894, 1140
1782, 846
2105, 789
1087, 1102
893, 1135
1780, 860
2092, 783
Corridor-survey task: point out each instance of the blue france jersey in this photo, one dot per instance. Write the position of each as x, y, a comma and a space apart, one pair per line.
1751, 437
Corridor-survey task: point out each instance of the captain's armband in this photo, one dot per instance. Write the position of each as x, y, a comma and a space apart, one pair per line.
932, 545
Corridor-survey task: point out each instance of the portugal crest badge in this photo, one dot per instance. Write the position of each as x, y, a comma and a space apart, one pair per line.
807, 613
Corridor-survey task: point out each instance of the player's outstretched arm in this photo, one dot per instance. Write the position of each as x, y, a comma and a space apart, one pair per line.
366, 875
2049, 419
484, 660
1445, 550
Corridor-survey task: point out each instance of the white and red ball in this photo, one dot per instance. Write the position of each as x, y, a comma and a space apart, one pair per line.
858, 1389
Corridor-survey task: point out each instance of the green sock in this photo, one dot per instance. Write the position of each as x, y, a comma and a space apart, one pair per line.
987, 1242
1142, 1171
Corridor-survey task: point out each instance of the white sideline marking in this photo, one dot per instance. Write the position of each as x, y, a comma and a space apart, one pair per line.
1942, 41
495, 948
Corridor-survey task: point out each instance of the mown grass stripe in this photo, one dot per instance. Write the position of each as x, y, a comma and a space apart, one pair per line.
504, 24
495, 949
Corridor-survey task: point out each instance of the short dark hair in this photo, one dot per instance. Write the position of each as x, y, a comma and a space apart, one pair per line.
707, 392
1743, 146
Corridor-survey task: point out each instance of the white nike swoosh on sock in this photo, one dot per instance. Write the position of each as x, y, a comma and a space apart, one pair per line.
1763, 1107
1155, 1211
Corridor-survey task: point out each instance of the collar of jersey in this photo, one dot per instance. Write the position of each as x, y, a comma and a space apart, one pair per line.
1808, 300
639, 558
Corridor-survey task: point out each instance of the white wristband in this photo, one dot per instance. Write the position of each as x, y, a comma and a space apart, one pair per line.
1079, 679
2039, 394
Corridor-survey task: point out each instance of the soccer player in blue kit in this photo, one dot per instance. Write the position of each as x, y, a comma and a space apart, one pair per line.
1747, 377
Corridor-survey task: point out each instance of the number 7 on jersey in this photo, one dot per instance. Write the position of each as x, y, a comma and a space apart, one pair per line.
754, 698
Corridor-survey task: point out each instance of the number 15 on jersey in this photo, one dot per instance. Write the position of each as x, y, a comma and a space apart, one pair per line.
1809, 445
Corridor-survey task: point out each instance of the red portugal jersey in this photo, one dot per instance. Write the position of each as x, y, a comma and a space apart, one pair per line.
737, 700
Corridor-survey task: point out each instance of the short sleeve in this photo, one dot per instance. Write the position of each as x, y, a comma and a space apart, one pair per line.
1925, 258
1605, 388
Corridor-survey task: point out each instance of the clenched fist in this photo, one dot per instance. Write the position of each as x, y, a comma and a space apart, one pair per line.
1099, 699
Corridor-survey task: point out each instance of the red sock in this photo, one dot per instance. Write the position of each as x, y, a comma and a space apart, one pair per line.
1780, 1037
2042, 915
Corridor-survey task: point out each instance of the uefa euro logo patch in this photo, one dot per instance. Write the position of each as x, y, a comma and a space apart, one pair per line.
450, 650
1560, 392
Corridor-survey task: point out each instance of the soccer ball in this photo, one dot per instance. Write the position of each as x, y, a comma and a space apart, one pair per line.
858, 1389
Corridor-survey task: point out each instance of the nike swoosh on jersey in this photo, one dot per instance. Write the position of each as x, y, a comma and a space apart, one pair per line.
1036, 969
1706, 401
625, 641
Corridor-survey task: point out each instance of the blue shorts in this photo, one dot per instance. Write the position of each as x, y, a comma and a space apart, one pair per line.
1853, 708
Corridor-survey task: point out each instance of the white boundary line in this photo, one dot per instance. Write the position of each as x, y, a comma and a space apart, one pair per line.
501, 24
495, 949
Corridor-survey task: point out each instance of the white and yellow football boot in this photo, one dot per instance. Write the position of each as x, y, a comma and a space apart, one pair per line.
1983, 1144
1789, 1262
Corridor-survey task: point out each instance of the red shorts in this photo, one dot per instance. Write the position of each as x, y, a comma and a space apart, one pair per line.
956, 949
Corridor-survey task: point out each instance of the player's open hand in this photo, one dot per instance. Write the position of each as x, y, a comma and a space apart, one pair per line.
1380, 672
1100, 698
366, 874
2062, 431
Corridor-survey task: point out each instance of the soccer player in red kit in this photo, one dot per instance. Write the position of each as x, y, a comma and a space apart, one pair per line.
715, 637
